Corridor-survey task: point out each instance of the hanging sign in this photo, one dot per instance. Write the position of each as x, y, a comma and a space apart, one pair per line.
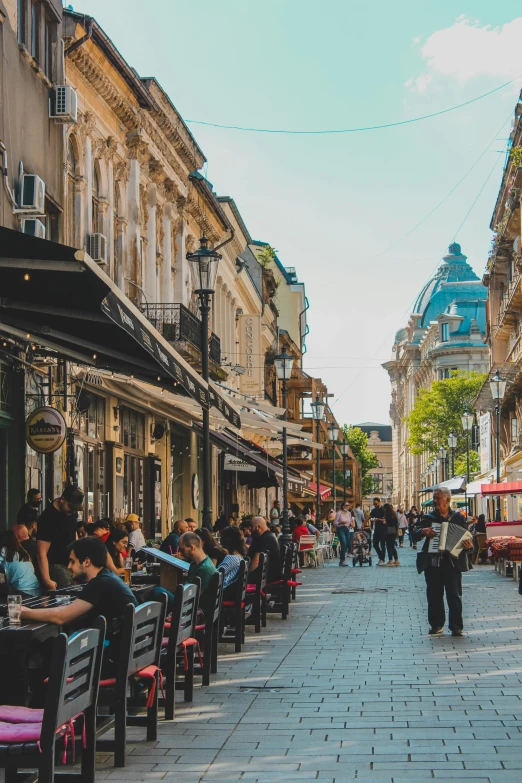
45, 430
195, 490
485, 442
236, 463
250, 355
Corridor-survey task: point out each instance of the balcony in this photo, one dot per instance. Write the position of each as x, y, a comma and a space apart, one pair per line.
509, 309
179, 326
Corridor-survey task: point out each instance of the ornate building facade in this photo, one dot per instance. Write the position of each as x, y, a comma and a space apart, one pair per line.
446, 331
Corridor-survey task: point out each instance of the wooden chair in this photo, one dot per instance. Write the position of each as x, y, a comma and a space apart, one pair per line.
208, 632
308, 550
256, 592
72, 692
481, 545
280, 589
234, 613
295, 569
179, 643
138, 662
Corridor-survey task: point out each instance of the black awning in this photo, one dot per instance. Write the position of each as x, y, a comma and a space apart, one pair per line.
59, 297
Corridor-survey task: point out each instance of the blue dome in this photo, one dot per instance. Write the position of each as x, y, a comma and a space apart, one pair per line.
454, 279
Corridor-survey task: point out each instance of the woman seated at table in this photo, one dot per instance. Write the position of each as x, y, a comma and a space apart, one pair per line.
18, 567
116, 546
234, 543
211, 547
300, 530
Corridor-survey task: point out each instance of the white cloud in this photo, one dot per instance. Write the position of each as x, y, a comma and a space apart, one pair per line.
467, 50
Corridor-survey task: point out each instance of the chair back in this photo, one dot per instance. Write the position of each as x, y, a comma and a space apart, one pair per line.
73, 679
146, 621
306, 543
184, 614
288, 558
242, 580
215, 587
263, 569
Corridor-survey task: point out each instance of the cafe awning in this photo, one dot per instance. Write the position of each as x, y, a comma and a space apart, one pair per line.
504, 488
61, 299
326, 492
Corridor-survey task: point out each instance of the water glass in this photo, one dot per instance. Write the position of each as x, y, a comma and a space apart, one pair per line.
14, 609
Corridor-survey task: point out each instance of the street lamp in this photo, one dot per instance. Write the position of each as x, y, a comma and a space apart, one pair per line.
498, 389
283, 366
467, 424
318, 414
333, 434
443, 453
203, 264
345, 450
452, 443
436, 464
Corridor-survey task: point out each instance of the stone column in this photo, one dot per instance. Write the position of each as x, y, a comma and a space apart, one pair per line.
88, 191
167, 293
149, 274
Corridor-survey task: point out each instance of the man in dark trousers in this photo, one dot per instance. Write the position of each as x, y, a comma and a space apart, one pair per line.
442, 571
379, 530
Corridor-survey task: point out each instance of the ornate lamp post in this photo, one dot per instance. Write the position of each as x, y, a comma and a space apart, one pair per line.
498, 389
203, 264
318, 414
345, 450
443, 453
436, 464
283, 365
333, 434
452, 443
467, 424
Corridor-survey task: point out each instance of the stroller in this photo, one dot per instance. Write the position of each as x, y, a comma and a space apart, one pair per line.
361, 547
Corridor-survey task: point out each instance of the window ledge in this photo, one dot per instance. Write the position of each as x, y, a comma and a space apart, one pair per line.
34, 65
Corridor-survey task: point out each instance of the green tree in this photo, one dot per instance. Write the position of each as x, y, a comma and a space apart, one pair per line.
461, 465
358, 441
437, 412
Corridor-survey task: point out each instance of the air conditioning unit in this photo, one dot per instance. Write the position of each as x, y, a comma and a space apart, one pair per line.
34, 227
32, 194
98, 248
63, 104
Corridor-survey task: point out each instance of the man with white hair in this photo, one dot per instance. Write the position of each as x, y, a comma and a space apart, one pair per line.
443, 572
264, 541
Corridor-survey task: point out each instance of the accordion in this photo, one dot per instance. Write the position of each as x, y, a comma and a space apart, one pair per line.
449, 537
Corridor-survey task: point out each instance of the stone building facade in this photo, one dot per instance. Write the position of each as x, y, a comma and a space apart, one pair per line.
446, 331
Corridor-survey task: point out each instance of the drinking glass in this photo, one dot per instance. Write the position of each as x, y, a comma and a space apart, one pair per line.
128, 570
14, 609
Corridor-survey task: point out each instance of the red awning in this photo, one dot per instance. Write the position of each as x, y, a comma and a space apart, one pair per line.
506, 488
326, 492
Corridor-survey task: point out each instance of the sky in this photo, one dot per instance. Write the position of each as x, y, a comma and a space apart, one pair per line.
341, 207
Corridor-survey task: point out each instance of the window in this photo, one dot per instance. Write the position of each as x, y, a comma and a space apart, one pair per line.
377, 488
22, 22
35, 29
514, 430
48, 48
71, 194
95, 201
5, 398
52, 221
92, 416
444, 332
133, 427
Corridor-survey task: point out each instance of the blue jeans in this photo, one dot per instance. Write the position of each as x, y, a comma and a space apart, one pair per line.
345, 536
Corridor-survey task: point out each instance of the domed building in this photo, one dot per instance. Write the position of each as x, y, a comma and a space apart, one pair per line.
445, 332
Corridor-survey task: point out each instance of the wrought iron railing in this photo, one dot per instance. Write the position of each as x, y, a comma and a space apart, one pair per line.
176, 323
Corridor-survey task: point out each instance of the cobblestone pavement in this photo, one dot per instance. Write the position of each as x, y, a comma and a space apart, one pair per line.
360, 691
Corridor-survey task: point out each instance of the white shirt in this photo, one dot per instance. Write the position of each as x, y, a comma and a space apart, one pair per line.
343, 519
136, 540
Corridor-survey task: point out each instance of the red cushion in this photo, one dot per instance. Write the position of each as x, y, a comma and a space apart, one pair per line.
13, 714
291, 583
231, 604
251, 588
108, 683
296, 571
200, 627
167, 626
165, 641
20, 732
277, 582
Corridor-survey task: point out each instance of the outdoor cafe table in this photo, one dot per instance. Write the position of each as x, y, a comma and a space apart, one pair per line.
17, 642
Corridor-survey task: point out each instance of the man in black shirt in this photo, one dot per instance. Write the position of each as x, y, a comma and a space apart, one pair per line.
264, 541
379, 530
103, 594
30, 510
56, 531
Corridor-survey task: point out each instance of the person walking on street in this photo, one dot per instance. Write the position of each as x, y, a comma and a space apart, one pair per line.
413, 520
443, 573
359, 516
392, 527
344, 525
379, 530
403, 524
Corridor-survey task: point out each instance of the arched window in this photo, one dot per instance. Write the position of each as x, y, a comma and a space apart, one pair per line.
71, 194
95, 201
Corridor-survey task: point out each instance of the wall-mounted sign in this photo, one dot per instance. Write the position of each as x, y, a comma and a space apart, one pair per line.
250, 355
195, 491
485, 442
236, 463
45, 430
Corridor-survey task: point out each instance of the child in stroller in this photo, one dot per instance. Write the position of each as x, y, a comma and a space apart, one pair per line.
361, 550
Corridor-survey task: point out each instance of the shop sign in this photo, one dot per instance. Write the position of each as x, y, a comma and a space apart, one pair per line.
195, 490
45, 430
236, 463
485, 442
252, 381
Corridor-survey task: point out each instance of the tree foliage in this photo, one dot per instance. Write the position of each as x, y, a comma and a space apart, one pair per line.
461, 465
358, 441
437, 412
266, 255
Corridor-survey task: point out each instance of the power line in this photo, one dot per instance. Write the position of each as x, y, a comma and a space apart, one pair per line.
353, 130
468, 213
